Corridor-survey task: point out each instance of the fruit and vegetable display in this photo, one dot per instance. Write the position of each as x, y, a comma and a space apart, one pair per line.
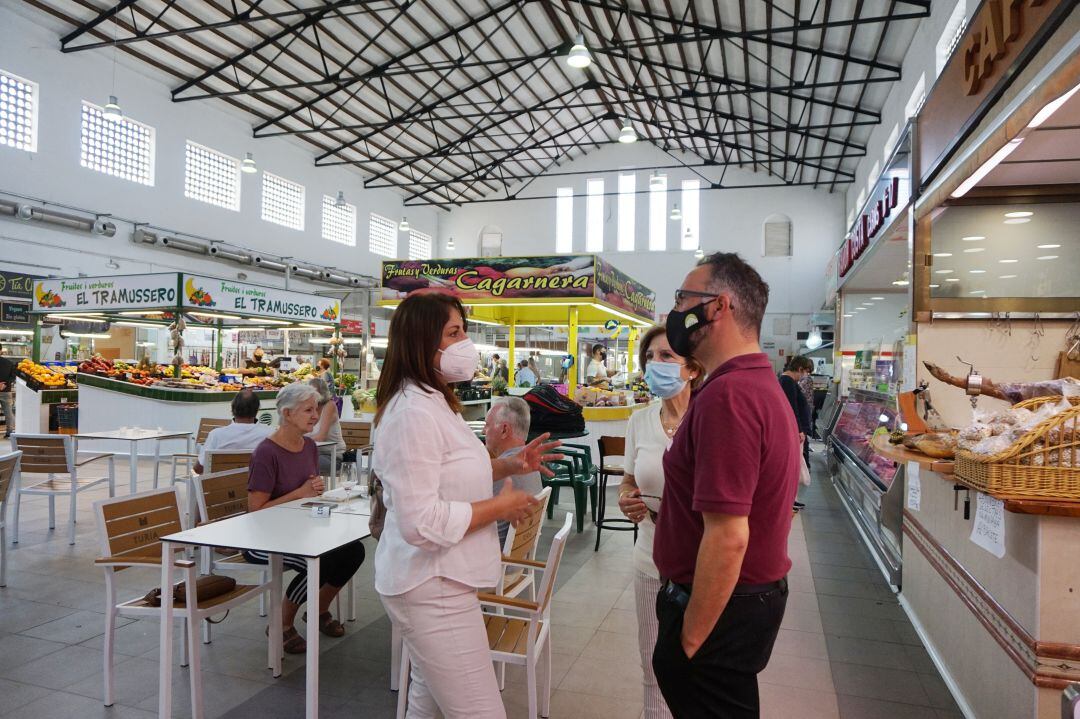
192, 377
39, 376
597, 397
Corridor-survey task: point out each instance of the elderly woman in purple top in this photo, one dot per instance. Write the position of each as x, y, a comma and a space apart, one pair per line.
284, 467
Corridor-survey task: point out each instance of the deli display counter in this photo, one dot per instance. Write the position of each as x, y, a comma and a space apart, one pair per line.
867, 483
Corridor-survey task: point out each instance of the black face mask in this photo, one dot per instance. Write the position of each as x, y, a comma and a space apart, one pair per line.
603, 356
681, 327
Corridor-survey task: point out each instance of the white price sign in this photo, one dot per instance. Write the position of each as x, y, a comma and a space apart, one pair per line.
914, 486
989, 529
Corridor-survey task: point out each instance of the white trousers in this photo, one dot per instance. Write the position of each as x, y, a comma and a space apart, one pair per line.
443, 630
645, 590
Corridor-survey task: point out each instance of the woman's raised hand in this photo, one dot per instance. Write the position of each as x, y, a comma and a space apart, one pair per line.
516, 503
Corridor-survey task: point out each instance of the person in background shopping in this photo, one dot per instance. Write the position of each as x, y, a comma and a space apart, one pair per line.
799, 368
328, 429
525, 377
439, 543
256, 360
325, 374
806, 386
7, 388
243, 433
494, 365
597, 372
501, 371
534, 366
729, 483
506, 429
670, 377
283, 468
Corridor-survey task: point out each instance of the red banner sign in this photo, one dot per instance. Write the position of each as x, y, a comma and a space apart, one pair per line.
868, 226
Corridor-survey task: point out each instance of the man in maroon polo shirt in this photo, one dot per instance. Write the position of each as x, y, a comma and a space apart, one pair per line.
730, 478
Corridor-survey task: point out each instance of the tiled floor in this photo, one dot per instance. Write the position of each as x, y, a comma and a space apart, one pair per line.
845, 650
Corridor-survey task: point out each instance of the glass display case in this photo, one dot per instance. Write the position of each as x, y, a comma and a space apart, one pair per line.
869, 485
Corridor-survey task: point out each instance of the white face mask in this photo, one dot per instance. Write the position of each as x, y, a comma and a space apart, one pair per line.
458, 362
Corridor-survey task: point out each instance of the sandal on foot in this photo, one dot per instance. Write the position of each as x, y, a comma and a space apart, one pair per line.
328, 625
291, 641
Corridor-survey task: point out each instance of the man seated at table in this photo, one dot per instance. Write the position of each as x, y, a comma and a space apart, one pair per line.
506, 430
243, 434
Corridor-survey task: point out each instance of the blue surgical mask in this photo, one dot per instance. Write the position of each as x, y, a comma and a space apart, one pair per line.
665, 379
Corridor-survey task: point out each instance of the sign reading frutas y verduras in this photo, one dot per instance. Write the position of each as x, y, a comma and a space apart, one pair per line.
229, 297
492, 278
619, 290
124, 292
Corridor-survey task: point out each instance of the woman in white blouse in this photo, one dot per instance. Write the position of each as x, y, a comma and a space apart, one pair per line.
648, 435
439, 543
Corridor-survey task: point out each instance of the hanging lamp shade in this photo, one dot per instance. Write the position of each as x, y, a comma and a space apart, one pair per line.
657, 180
450, 244
403, 226
112, 109
339, 202
676, 215
627, 134
248, 165
579, 56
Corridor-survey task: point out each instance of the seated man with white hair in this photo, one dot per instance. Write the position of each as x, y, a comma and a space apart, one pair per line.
506, 430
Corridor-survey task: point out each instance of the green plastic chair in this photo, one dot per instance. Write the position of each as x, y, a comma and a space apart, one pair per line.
575, 470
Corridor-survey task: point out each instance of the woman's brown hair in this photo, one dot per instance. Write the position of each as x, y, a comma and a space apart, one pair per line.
416, 331
691, 363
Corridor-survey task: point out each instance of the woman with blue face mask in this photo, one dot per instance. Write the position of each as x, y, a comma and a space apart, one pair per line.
671, 378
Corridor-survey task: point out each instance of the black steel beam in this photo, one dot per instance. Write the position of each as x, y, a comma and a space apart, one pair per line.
245, 17
704, 188
337, 78
100, 18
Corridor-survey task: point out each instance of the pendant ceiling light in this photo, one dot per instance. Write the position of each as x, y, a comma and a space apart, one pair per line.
813, 341
579, 54
676, 215
699, 254
340, 201
627, 134
657, 180
450, 244
403, 226
112, 110
248, 165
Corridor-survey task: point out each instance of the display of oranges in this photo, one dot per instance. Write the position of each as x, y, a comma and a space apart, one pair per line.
42, 374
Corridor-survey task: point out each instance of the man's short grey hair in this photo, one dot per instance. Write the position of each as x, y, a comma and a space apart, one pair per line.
515, 412
293, 395
749, 292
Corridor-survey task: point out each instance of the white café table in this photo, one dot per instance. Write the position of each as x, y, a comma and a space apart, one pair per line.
276, 530
134, 435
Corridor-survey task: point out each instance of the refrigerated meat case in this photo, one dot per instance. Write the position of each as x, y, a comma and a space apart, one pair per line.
868, 484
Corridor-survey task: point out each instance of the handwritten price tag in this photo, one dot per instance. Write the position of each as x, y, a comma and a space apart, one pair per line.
914, 486
989, 529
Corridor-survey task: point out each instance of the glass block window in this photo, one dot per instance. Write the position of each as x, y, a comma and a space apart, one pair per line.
658, 213
382, 236
627, 197
122, 148
212, 177
594, 216
18, 112
564, 220
338, 223
282, 202
419, 245
690, 229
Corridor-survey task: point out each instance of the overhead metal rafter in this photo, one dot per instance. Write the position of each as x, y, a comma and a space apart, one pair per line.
456, 101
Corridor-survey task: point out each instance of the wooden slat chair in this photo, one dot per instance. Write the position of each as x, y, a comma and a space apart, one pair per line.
56, 457
206, 425
9, 477
519, 630
223, 460
219, 496
130, 529
357, 436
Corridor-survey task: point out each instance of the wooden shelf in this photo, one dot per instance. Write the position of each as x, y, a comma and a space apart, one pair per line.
900, 453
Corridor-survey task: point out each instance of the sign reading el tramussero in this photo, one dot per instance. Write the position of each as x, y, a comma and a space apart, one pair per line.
209, 293
127, 292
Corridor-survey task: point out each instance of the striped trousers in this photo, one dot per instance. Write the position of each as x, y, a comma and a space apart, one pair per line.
645, 590
335, 568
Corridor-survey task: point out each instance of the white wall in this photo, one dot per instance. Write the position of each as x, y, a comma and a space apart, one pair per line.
921, 59
731, 220
53, 173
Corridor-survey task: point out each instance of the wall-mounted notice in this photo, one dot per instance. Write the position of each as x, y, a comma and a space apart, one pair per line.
914, 486
989, 529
